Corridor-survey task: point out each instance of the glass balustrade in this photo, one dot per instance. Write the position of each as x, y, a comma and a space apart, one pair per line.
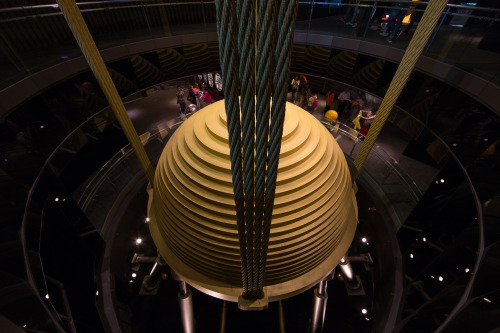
37, 37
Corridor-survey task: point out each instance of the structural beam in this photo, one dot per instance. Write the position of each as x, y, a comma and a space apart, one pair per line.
417, 44
85, 41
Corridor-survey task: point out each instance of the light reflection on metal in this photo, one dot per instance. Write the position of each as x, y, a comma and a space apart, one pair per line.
345, 265
218, 81
210, 80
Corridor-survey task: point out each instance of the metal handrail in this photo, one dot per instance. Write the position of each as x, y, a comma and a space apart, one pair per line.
149, 3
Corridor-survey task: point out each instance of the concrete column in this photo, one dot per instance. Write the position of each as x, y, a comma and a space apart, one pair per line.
91, 53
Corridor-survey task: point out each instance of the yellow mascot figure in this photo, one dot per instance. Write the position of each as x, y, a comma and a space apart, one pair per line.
356, 123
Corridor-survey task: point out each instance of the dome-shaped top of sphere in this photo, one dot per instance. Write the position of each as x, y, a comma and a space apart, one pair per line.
193, 217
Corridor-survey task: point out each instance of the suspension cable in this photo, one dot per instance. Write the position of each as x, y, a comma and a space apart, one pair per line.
227, 33
254, 172
283, 51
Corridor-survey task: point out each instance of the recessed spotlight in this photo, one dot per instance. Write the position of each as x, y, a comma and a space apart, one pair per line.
440, 278
467, 270
442, 180
56, 199
134, 275
363, 240
131, 281
46, 296
367, 319
487, 300
424, 239
147, 220
364, 311
138, 241
97, 293
411, 255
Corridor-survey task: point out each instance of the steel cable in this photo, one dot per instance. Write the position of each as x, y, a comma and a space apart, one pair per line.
227, 32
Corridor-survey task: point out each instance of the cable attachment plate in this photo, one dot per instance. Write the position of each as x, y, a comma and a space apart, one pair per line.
248, 304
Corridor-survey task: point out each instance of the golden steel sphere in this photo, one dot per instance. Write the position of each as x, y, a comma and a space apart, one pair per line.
193, 217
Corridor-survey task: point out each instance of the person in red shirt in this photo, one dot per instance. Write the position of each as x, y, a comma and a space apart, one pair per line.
329, 100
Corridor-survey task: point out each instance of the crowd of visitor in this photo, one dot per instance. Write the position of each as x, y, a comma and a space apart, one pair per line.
350, 104
197, 96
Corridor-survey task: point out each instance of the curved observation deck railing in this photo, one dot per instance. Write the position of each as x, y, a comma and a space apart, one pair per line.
402, 186
34, 38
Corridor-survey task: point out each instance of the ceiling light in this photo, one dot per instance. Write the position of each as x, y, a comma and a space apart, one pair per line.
364, 311
138, 241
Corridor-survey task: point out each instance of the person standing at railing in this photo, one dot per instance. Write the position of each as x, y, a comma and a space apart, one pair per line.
295, 89
312, 102
306, 93
192, 95
206, 97
368, 116
356, 105
344, 97
181, 100
329, 100
357, 121
352, 22
395, 20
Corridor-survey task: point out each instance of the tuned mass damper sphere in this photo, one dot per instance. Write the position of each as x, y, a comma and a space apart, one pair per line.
193, 217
